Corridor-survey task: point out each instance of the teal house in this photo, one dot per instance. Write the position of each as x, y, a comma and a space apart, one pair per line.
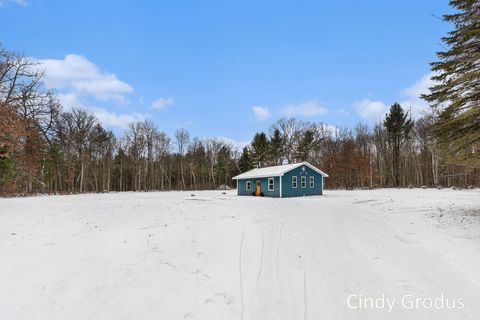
290, 180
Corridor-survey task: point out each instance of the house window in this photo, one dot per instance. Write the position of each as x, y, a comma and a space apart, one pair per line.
248, 185
294, 182
312, 182
304, 182
270, 184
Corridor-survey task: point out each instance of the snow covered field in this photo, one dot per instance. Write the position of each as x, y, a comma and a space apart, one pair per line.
218, 256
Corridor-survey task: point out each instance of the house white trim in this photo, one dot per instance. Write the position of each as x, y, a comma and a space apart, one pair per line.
294, 186
272, 180
280, 187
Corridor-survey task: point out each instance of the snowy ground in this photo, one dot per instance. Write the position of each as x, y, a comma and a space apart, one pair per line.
218, 256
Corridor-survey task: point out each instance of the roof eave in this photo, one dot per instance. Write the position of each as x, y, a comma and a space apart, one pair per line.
255, 177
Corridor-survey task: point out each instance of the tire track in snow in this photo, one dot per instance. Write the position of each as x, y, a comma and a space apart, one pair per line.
303, 261
240, 272
305, 296
261, 255
277, 254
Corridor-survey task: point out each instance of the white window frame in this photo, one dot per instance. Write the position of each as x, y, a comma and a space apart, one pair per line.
248, 185
294, 182
312, 182
272, 185
303, 182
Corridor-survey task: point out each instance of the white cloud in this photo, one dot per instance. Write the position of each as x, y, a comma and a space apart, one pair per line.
115, 120
261, 113
307, 109
235, 144
328, 129
80, 83
108, 119
20, 2
413, 102
371, 110
70, 100
106, 87
344, 112
162, 103
77, 74
375, 110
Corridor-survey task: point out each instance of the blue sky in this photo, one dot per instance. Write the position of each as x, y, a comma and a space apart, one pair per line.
224, 68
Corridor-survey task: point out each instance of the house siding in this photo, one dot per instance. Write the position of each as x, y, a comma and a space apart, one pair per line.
242, 191
287, 190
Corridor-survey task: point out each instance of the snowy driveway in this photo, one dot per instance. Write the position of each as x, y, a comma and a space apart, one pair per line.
382, 254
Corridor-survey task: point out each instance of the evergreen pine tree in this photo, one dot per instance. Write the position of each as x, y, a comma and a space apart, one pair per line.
245, 161
457, 92
260, 145
305, 146
398, 125
276, 147
222, 164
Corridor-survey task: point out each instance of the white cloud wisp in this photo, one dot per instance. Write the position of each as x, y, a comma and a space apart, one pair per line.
261, 113
307, 109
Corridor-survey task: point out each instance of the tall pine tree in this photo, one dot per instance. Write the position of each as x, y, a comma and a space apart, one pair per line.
457, 92
245, 161
398, 125
276, 147
306, 145
260, 145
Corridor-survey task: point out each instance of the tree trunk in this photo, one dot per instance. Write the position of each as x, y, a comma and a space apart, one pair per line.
82, 169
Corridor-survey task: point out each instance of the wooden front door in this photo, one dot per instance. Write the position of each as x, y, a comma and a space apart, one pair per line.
257, 188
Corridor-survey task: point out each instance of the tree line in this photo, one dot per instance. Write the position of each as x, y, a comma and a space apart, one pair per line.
397, 152
44, 148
